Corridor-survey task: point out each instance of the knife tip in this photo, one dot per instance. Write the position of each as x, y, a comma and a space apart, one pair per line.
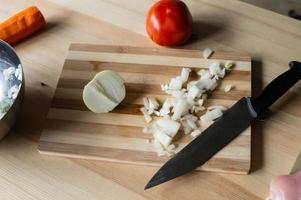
157, 179
148, 185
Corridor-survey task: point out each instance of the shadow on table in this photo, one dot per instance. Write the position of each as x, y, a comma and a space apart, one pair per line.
203, 30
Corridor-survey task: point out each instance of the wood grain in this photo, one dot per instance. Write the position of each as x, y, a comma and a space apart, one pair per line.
92, 138
228, 25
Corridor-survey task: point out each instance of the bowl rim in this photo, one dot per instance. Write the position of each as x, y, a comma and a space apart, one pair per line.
17, 59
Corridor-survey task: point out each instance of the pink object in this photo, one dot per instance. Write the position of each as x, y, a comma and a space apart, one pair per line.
286, 187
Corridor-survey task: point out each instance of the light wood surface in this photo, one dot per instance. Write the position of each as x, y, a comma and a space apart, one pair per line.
72, 130
271, 39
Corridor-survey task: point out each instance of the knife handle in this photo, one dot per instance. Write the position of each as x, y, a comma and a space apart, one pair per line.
277, 88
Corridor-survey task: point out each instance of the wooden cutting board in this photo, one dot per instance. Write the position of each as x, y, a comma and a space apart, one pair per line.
72, 130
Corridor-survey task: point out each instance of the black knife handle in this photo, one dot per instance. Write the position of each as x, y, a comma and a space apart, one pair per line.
277, 88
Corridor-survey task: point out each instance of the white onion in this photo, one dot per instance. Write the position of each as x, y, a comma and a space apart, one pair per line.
185, 74
194, 92
216, 70
180, 109
168, 126
175, 83
228, 88
196, 133
104, 92
228, 65
220, 107
162, 137
207, 53
211, 115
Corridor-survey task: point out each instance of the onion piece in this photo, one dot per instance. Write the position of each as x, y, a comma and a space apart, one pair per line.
168, 126
175, 83
153, 103
145, 103
211, 115
180, 109
211, 84
220, 107
196, 133
164, 87
207, 53
228, 88
185, 74
171, 148
194, 92
191, 124
202, 72
228, 65
200, 102
216, 70
199, 109
162, 137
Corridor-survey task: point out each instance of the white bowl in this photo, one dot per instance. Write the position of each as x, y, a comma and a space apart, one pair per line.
11, 87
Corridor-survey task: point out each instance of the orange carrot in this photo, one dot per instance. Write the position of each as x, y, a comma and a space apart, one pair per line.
22, 25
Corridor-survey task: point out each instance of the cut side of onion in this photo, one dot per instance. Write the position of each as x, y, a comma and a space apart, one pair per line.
104, 92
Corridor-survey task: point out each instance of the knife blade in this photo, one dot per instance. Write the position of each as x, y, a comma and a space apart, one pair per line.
235, 120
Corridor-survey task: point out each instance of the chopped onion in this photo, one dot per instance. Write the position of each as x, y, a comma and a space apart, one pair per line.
157, 113
164, 87
191, 117
180, 109
153, 103
164, 111
178, 93
196, 133
207, 53
168, 126
171, 148
222, 108
199, 108
191, 124
228, 65
194, 92
200, 102
187, 129
145, 103
185, 74
162, 137
175, 83
206, 75
211, 115
175, 110
228, 88
211, 84
202, 72
216, 70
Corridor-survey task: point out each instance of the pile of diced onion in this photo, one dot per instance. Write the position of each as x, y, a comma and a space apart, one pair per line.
179, 111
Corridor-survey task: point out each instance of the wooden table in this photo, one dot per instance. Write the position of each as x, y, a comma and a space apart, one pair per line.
271, 39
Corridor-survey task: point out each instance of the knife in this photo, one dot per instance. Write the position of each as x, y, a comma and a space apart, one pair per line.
235, 120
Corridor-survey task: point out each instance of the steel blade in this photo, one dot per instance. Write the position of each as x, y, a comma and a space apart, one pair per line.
213, 139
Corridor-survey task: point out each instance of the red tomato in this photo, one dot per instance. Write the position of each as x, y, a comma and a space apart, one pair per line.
169, 23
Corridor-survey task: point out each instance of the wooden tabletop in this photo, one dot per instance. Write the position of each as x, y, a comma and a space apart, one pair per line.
271, 39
